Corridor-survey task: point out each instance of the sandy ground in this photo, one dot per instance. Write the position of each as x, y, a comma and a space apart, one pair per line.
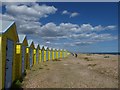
85, 71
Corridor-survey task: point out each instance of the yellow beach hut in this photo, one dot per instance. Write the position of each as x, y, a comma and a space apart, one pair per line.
50, 54
61, 55
9, 38
44, 53
30, 54
21, 55
53, 55
64, 52
57, 53
37, 47
47, 53
41, 53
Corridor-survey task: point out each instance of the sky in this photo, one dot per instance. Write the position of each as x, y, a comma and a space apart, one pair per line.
75, 26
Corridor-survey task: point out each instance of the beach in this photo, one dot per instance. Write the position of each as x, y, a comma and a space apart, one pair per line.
85, 71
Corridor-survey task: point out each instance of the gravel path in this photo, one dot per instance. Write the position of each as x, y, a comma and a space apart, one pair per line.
85, 71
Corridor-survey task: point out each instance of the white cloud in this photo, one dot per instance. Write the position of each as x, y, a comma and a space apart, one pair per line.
74, 14
27, 19
33, 11
19, 1
71, 14
48, 42
65, 12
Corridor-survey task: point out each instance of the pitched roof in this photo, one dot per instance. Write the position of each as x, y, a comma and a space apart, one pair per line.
45, 47
5, 25
41, 46
53, 48
61, 49
36, 45
50, 48
30, 42
57, 49
21, 37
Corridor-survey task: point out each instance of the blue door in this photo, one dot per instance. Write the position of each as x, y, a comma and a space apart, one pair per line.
63, 54
23, 59
47, 55
50, 55
42, 55
58, 54
9, 61
31, 57
54, 54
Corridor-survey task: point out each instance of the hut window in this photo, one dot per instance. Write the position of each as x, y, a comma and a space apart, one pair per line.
34, 51
18, 49
27, 50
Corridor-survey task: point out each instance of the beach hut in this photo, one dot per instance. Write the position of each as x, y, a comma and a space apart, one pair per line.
30, 54
64, 52
57, 53
37, 47
41, 54
53, 55
21, 56
9, 38
50, 54
61, 56
46, 53
44, 48
34, 56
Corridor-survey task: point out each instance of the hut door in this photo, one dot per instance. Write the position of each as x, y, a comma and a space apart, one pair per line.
50, 55
42, 55
9, 61
31, 57
37, 55
23, 58
58, 54
46, 55
54, 54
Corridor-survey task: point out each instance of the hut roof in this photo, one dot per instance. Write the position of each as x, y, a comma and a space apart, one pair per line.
41, 46
30, 42
21, 37
45, 47
5, 25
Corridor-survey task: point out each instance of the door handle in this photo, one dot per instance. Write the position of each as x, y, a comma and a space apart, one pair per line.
8, 60
6, 68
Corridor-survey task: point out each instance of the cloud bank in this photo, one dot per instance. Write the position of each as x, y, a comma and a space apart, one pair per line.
28, 16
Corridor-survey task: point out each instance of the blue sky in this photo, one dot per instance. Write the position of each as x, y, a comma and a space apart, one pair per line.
77, 27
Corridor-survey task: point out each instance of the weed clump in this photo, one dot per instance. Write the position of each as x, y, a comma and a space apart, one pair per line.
106, 56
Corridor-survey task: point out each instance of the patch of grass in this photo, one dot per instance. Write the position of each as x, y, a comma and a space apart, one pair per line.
92, 65
78, 63
45, 65
106, 56
56, 60
47, 69
40, 68
87, 59
33, 70
17, 84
